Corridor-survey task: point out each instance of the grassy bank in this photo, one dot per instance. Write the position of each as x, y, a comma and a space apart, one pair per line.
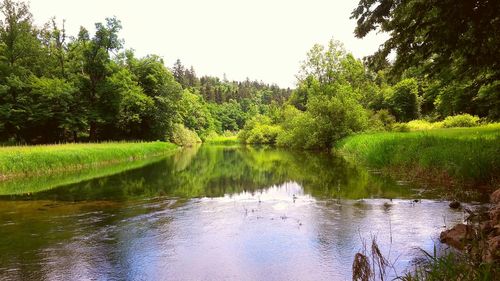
465, 155
17, 161
229, 140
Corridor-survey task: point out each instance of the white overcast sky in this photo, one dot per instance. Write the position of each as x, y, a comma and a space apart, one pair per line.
259, 39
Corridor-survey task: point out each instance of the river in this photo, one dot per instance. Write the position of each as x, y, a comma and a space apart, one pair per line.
219, 213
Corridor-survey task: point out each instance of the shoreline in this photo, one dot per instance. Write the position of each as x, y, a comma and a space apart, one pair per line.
449, 158
32, 161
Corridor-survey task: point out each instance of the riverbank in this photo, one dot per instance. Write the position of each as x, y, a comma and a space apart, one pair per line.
223, 140
20, 161
447, 157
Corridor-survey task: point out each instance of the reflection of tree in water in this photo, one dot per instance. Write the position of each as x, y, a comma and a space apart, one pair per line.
214, 171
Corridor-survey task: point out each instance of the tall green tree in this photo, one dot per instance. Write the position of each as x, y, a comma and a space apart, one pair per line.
451, 41
159, 84
93, 65
20, 51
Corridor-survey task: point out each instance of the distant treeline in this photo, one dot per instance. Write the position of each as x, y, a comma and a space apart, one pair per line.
58, 88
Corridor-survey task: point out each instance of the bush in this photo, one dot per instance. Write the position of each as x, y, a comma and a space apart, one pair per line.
462, 120
264, 134
419, 125
297, 128
183, 136
400, 127
381, 120
259, 130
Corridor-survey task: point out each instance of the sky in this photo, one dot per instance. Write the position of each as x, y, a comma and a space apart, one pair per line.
259, 39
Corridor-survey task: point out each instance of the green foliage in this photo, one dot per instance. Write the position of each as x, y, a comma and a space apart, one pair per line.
381, 120
419, 125
335, 117
404, 101
400, 127
297, 126
231, 103
463, 120
263, 134
450, 47
195, 114
326, 106
426, 31
229, 115
183, 136
159, 84
55, 88
259, 130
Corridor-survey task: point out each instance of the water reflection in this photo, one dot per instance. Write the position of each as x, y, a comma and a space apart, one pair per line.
215, 213
216, 171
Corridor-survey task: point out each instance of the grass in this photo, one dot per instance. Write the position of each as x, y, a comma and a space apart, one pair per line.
451, 266
370, 265
225, 140
466, 155
18, 161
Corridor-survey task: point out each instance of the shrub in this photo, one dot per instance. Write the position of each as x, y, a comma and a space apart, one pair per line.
183, 136
263, 134
418, 125
251, 124
381, 120
462, 120
297, 128
400, 127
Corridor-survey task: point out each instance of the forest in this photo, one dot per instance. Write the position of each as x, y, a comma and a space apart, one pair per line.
56, 87
60, 88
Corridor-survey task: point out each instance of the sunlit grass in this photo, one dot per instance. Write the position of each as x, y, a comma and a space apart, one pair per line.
466, 154
226, 140
18, 161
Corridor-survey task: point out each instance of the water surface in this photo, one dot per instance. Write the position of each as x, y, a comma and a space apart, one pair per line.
217, 213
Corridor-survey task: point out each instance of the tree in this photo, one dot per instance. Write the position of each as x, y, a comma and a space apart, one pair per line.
323, 64
404, 101
49, 111
159, 84
19, 58
96, 66
451, 41
195, 113
443, 31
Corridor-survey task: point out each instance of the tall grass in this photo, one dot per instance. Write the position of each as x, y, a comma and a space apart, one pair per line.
225, 140
44, 159
451, 266
464, 154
